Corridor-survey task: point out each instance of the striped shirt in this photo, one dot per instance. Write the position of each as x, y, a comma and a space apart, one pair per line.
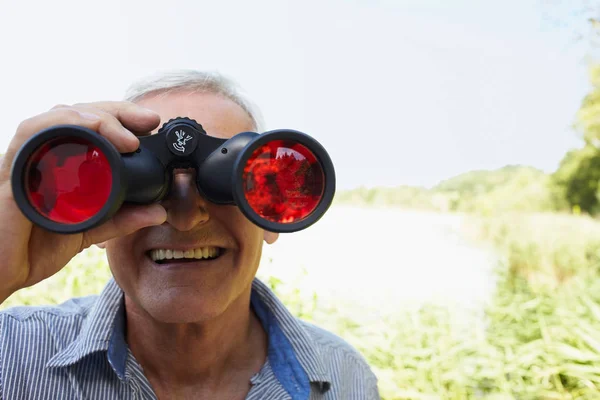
77, 350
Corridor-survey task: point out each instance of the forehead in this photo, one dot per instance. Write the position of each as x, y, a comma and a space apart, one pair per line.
219, 116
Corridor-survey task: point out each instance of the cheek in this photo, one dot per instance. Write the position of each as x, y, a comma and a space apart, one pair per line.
248, 236
253, 240
120, 257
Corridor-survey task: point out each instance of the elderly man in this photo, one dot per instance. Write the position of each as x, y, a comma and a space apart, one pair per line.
166, 329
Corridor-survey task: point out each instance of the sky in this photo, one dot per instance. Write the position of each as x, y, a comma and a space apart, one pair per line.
399, 92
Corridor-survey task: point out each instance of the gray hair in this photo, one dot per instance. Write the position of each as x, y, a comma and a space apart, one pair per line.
197, 81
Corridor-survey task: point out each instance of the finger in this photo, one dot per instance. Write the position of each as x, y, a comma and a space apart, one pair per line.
111, 128
33, 125
128, 219
134, 117
110, 120
97, 120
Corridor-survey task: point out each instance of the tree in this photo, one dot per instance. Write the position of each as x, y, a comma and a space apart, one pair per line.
588, 116
578, 175
577, 178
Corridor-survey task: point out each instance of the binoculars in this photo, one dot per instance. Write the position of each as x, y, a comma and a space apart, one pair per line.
69, 179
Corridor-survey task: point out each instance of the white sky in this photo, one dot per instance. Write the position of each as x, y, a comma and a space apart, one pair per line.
399, 92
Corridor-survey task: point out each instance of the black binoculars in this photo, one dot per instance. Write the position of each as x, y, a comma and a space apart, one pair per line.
69, 179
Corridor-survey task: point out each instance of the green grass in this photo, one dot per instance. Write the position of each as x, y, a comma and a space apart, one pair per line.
86, 274
546, 249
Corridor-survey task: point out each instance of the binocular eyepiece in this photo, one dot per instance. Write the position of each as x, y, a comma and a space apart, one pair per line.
69, 179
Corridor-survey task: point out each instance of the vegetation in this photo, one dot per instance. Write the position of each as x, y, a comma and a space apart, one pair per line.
511, 188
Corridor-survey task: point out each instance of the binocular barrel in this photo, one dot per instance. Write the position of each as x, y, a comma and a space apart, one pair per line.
70, 179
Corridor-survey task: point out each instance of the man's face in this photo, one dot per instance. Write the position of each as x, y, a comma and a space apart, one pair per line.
191, 291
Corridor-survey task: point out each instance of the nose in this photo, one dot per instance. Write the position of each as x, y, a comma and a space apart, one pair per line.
185, 207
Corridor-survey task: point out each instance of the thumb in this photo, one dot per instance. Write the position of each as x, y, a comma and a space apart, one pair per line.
128, 219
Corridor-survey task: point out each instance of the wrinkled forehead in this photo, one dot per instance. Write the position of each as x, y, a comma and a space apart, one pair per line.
219, 116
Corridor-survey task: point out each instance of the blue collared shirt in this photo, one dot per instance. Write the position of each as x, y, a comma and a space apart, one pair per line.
77, 350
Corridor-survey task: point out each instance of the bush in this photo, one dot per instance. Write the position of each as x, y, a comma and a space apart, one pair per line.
86, 274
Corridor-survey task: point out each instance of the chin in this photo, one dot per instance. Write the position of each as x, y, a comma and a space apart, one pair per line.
182, 307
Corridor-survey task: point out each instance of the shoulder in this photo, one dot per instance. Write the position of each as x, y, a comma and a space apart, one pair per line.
29, 326
31, 337
73, 308
344, 362
331, 344
329, 360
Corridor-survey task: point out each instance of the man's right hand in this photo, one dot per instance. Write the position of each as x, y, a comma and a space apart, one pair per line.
31, 254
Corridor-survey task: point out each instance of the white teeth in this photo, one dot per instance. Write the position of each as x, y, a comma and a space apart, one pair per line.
199, 253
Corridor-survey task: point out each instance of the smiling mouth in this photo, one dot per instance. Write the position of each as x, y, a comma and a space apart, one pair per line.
168, 256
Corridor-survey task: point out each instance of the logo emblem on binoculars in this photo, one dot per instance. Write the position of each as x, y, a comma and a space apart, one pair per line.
182, 139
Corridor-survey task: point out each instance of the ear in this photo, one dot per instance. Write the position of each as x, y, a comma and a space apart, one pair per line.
101, 245
270, 237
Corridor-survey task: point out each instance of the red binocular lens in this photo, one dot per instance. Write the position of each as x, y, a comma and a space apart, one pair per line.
69, 179
283, 181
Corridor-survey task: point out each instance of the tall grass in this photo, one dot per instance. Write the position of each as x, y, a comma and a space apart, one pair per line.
539, 338
545, 249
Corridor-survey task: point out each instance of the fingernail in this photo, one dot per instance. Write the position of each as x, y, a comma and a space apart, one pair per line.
90, 116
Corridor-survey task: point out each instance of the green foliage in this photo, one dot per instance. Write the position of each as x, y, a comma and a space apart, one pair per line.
546, 310
86, 274
548, 341
577, 178
544, 249
406, 196
588, 116
474, 183
511, 188
579, 172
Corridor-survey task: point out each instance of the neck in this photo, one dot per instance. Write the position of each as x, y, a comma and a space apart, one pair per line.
209, 353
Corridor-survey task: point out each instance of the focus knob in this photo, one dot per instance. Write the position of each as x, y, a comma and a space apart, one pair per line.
182, 135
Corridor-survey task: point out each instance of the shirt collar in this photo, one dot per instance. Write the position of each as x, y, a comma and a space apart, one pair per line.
104, 327
285, 330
